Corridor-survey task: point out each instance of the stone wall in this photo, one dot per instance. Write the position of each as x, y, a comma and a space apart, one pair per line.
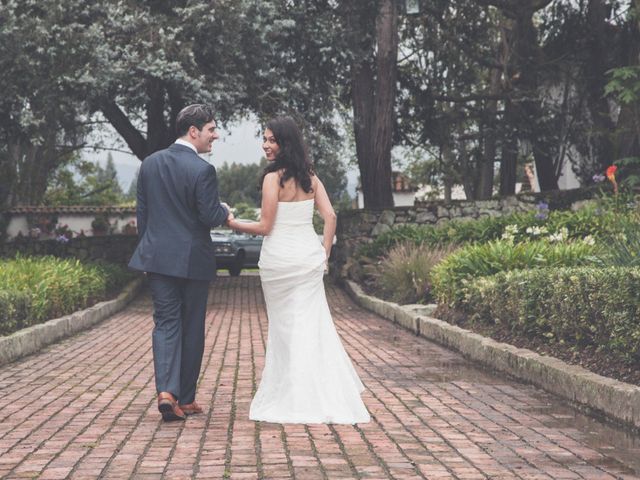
358, 227
113, 248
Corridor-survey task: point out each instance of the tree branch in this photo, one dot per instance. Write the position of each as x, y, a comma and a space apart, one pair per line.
134, 139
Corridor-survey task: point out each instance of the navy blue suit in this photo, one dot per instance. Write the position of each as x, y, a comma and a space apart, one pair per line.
177, 205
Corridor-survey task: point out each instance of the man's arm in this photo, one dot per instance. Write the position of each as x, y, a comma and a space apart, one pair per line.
141, 206
210, 211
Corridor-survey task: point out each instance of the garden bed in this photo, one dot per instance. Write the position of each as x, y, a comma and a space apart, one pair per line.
562, 284
36, 289
587, 357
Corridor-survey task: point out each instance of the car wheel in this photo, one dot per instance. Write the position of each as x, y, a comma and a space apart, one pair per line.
236, 268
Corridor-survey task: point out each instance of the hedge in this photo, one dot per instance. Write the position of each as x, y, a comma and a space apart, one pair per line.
578, 306
451, 277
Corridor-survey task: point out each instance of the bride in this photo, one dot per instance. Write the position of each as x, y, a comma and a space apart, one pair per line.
307, 377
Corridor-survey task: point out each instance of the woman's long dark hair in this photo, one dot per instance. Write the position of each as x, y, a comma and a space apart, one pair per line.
292, 157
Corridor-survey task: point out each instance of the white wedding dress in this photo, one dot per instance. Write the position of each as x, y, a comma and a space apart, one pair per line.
307, 377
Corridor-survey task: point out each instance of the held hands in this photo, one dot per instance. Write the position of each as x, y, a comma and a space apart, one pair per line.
230, 216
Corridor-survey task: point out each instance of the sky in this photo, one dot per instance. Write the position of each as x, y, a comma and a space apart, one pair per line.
240, 142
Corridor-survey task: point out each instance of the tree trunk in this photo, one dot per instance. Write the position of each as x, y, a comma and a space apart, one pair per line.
373, 101
528, 55
522, 61
362, 97
130, 134
484, 188
596, 79
509, 157
8, 177
158, 135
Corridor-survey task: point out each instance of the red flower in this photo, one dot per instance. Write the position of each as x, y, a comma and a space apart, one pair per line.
611, 175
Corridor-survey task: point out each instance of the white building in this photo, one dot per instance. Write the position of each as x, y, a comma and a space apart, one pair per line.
403, 191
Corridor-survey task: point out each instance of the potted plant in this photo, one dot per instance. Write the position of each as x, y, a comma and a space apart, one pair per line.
130, 228
100, 225
63, 231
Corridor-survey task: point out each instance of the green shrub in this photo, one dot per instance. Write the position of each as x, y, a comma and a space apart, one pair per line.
452, 276
15, 311
450, 233
53, 287
577, 306
114, 275
623, 242
406, 272
587, 222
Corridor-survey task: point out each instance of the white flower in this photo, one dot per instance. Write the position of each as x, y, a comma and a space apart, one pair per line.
560, 235
556, 237
535, 231
589, 240
508, 237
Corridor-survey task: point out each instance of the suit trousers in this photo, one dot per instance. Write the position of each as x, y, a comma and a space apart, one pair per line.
180, 306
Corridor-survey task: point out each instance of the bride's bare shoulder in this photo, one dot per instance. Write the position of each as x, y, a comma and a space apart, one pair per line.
270, 179
315, 181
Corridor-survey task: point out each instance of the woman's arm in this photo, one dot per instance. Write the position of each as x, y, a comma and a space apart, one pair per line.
270, 189
323, 204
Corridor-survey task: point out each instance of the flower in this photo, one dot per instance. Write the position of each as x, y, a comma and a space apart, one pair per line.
560, 235
611, 175
543, 210
555, 237
598, 178
535, 230
589, 240
508, 237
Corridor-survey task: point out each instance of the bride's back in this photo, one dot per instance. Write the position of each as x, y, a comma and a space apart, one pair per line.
291, 191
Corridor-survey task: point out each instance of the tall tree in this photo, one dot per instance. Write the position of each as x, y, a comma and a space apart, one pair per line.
373, 40
239, 183
449, 91
97, 185
625, 85
44, 90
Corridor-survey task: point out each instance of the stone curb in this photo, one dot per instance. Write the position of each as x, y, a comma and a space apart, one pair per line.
31, 339
615, 399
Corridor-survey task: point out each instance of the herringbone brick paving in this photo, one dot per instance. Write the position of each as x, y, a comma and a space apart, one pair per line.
86, 408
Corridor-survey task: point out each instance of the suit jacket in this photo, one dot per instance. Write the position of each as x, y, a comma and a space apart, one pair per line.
177, 205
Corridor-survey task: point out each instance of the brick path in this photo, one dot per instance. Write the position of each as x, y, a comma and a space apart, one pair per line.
85, 408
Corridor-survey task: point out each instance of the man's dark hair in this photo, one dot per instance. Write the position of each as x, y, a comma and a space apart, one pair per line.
197, 115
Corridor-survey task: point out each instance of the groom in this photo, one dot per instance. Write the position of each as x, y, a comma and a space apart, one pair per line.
177, 205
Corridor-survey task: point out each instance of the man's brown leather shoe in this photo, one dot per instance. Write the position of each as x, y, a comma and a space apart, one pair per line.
191, 408
169, 408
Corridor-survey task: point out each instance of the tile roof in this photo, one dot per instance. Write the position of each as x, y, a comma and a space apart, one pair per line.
70, 209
